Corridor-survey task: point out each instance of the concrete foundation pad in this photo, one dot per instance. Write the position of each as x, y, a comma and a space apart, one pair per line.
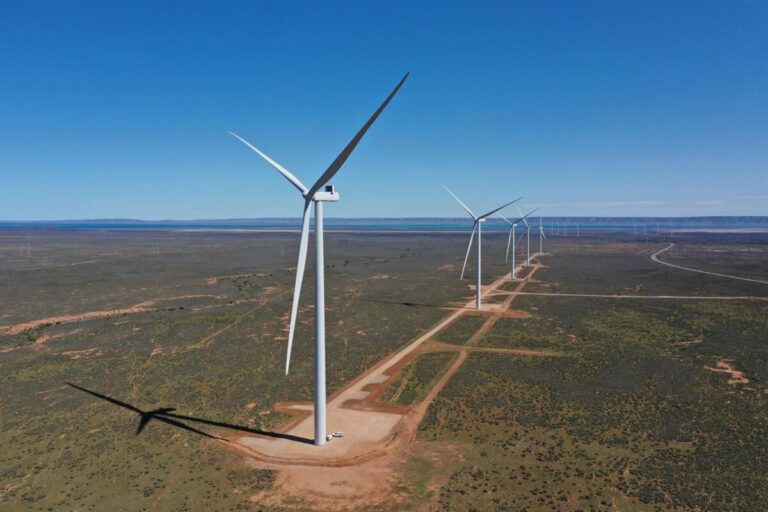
363, 432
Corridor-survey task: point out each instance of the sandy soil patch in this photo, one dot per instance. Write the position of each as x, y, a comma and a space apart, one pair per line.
79, 354
141, 307
516, 313
683, 344
726, 366
346, 488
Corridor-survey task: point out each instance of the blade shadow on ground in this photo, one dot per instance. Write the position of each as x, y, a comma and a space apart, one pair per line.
167, 416
418, 304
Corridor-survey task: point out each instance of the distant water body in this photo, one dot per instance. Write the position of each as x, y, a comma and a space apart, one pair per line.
571, 225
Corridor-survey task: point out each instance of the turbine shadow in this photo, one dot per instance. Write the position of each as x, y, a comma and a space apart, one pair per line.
417, 304
167, 416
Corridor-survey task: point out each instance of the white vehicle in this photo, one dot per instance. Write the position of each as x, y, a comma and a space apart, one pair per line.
338, 434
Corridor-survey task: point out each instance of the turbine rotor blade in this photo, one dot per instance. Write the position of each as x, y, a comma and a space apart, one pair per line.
499, 208
469, 248
282, 170
505, 219
336, 165
299, 279
520, 218
460, 201
523, 217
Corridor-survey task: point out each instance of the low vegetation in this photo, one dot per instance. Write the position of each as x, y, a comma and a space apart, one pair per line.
631, 419
419, 377
460, 332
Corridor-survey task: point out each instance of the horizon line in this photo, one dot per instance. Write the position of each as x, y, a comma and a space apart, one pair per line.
417, 218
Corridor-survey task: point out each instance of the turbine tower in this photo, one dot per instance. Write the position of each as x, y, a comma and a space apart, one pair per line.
315, 195
513, 240
528, 233
479, 219
541, 237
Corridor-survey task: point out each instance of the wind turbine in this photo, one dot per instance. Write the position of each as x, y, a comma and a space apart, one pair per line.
310, 195
541, 237
513, 239
528, 233
479, 219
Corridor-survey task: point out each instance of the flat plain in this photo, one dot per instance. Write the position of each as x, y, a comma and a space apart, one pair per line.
128, 356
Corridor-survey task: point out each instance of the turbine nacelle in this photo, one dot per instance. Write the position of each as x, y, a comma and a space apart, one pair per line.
329, 194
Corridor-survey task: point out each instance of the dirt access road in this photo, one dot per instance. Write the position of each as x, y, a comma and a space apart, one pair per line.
362, 468
671, 297
655, 259
367, 428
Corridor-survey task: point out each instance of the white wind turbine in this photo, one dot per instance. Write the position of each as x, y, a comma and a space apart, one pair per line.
479, 219
541, 237
528, 233
314, 195
513, 240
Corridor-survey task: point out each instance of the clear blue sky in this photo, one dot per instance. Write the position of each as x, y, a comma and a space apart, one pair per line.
121, 109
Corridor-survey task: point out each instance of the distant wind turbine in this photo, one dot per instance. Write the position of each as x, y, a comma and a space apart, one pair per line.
315, 195
541, 236
478, 222
513, 239
528, 234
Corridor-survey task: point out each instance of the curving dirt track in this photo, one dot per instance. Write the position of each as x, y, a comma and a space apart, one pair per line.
655, 259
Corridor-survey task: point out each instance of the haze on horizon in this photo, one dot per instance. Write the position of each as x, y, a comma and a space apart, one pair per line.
122, 111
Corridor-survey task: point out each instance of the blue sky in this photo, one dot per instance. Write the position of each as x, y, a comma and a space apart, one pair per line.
114, 109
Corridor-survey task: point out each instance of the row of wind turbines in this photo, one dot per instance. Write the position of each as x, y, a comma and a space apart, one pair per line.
477, 226
320, 192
